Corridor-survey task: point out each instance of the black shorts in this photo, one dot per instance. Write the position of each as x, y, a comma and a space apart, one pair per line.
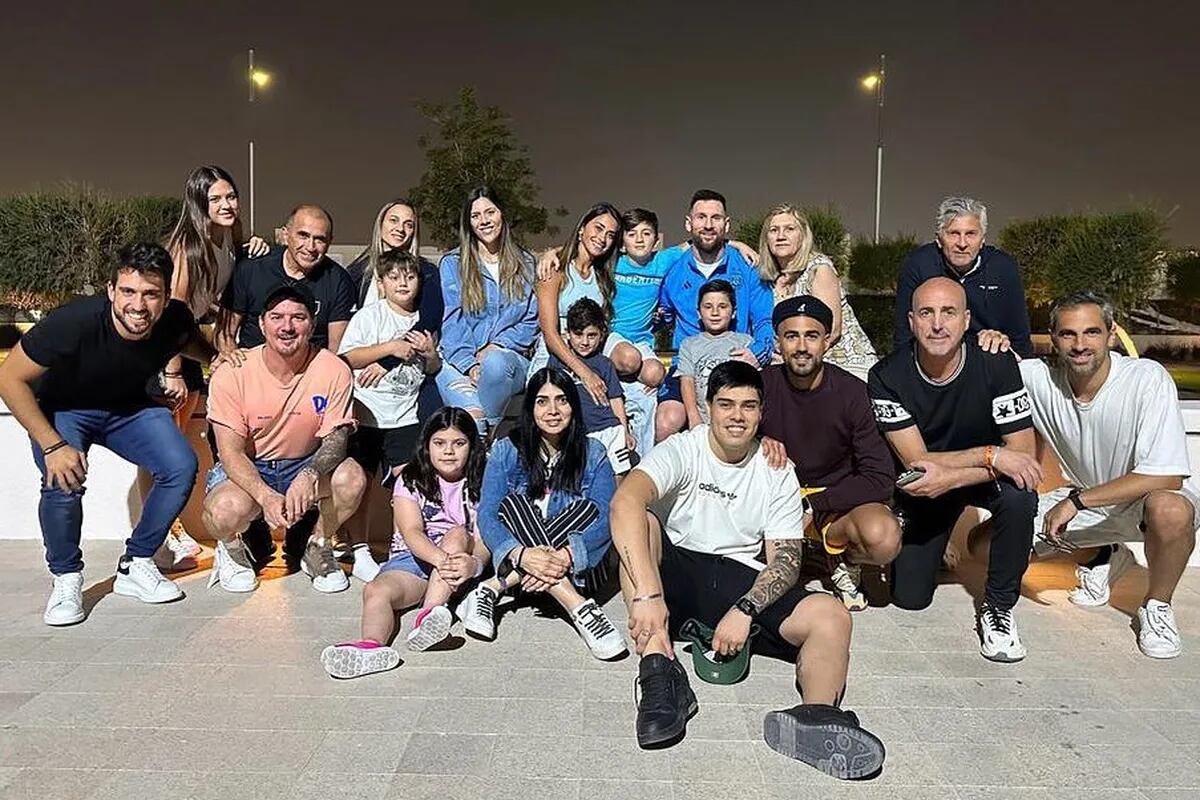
386, 447
704, 587
669, 390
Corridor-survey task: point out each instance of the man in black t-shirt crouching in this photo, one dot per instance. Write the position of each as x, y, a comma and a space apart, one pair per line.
79, 378
961, 417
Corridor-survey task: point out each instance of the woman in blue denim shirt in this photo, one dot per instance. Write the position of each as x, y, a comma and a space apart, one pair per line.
490, 320
543, 514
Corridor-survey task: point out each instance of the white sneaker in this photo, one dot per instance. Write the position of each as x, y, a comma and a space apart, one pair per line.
319, 564
355, 659
65, 606
140, 578
597, 631
998, 636
1095, 583
174, 556
478, 612
365, 566
231, 568
431, 626
847, 578
1158, 635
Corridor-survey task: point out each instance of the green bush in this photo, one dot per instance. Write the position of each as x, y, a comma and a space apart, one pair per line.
877, 266
1183, 271
54, 245
876, 314
829, 233
1115, 254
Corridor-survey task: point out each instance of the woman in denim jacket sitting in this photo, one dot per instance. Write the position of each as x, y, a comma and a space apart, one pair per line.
543, 513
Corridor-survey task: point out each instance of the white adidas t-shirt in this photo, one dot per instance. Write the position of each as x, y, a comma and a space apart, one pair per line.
712, 507
392, 403
1133, 424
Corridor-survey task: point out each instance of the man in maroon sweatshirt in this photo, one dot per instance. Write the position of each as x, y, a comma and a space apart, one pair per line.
823, 416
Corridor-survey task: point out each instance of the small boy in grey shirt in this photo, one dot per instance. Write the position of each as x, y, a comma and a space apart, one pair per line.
700, 354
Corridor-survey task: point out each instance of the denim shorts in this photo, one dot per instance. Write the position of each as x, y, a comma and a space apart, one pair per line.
405, 561
277, 474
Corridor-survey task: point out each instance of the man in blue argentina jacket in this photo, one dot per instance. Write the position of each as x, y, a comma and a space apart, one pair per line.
988, 275
709, 257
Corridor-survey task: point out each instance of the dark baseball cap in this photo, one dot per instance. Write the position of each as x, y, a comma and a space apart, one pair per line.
803, 305
298, 292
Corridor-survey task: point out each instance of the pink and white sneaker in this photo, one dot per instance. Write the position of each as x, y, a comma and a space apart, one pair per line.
355, 659
431, 626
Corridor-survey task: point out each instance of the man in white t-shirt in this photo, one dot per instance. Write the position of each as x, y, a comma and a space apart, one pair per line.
690, 524
1115, 425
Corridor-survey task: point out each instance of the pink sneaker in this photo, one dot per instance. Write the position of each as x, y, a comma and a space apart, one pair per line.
355, 659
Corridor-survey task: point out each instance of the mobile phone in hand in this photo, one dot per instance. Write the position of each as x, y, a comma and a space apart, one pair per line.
911, 476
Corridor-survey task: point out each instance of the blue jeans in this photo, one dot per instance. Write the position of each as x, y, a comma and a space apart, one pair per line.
501, 376
277, 474
147, 438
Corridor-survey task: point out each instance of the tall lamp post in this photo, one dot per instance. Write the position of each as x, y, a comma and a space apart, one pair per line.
257, 79
874, 83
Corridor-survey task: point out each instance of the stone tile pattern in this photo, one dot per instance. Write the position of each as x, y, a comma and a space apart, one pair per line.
222, 696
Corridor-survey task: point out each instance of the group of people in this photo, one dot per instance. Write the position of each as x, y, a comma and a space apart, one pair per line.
532, 442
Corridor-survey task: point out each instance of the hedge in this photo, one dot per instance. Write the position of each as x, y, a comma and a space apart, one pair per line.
54, 245
876, 267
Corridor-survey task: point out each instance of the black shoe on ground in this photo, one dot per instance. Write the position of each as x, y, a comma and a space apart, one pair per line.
826, 738
666, 703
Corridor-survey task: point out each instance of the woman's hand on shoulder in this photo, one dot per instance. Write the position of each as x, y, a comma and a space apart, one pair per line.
256, 247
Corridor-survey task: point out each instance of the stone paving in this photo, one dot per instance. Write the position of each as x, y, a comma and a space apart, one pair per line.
222, 696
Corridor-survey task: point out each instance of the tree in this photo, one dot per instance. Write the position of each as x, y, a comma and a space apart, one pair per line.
473, 146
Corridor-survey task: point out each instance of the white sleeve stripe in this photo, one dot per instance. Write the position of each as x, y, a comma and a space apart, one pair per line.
888, 411
1009, 408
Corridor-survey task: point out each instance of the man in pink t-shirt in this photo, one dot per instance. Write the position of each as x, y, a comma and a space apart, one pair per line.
282, 421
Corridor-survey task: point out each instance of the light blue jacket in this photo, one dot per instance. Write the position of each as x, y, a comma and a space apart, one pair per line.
505, 476
510, 324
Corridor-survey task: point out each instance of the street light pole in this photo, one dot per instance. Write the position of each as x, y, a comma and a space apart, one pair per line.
250, 81
879, 143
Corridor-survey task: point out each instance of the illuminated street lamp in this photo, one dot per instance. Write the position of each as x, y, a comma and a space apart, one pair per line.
257, 79
874, 83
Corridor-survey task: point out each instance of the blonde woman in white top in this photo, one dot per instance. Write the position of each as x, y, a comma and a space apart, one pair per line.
789, 262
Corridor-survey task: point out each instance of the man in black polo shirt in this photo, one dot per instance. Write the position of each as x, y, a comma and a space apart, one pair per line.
307, 234
962, 416
821, 414
988, 275
79, 378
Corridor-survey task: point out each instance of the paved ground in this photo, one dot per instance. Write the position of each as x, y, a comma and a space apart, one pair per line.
222, 696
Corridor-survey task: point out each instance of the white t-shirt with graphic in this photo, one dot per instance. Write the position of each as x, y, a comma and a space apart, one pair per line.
1133, 424
391, 403
712, 507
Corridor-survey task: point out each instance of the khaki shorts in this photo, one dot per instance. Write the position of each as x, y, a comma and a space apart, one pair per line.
1095, 527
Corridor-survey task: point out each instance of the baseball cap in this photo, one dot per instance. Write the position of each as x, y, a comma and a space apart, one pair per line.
803, 305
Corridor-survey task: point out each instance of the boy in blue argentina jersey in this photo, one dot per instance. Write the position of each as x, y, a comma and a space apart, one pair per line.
638, 277
709, 257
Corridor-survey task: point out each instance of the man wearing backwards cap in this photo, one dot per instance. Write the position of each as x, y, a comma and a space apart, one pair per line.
282, 421
822, 415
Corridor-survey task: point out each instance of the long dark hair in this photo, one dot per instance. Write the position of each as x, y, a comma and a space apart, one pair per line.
567, 473
603, 268
191, 239
419, 474
515, 275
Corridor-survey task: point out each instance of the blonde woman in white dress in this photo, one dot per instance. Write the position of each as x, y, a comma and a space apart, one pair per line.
788, 261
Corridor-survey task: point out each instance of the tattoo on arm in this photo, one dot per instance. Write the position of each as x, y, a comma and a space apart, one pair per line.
778, 576
332, 451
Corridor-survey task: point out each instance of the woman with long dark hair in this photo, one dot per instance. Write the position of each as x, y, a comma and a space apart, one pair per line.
543, 514
435, 548
490, 321
204, 244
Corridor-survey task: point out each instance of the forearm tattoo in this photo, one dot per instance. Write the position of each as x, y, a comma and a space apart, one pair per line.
332, 451
779, 576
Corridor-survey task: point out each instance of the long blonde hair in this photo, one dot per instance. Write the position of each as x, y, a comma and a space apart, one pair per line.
515, 277
768, 268
377, 247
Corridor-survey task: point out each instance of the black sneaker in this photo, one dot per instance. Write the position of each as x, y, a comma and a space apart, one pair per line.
826, 738
666, 703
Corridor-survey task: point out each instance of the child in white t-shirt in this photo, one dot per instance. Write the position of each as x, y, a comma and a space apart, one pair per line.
390, 361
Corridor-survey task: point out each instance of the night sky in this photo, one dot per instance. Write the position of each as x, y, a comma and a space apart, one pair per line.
1032, 107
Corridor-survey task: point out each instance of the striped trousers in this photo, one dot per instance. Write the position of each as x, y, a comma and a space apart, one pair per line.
525, 522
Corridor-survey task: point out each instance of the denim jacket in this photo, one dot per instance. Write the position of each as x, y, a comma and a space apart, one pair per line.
510, 324
505, 476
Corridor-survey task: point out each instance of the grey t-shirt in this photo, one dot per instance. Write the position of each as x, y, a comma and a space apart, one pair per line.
700, 354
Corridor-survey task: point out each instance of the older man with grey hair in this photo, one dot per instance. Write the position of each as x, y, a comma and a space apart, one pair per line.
987, 274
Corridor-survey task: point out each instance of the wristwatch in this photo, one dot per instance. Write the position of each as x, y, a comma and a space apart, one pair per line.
1073, 496
745, 606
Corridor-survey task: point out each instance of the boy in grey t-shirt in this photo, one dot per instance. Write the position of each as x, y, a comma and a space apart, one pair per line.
701, 353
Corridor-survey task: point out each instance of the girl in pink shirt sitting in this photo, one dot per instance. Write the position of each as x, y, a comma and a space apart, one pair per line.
435, 549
